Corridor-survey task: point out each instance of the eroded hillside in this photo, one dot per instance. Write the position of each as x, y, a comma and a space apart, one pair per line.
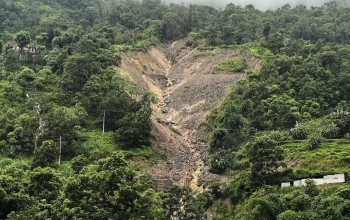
187, 87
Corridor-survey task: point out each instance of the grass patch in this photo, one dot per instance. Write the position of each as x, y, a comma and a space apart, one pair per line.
105, 143
234, 65
205, 47
146, 152
19, 162
101, 141
260, 52
142, 158
203, 55
331, 157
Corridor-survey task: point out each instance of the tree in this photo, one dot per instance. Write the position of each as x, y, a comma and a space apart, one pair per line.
1, 45
12, 195
257, 208
45, 155
299, 132
111, 191
26, 77
26, 126
135, 129
77, 70
44, 183
63, 121
313, 141
311, 189
264, 157
287, 215
341, 119
267, 29
22, 39
78, 163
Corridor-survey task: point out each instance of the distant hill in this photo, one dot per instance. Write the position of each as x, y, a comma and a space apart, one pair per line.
262, 5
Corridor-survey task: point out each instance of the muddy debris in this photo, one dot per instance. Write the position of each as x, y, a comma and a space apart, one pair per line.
186, 95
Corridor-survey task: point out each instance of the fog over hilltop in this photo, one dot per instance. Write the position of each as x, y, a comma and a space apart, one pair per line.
259, 4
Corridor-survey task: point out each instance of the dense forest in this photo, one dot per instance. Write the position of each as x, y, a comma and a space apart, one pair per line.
59, 82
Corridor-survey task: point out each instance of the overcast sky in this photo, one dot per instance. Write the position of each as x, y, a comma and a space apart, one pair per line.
260, 4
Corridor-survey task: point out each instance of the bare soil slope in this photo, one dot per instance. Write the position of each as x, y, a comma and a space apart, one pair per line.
187, 88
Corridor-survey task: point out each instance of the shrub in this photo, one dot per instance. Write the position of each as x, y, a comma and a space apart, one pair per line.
78, 163
287, 215
235, 65
341, 119
344, 193
45, 155
329, 130
277, 136
314, 141
300, 202
299, 132
311, 189
221, 160
240, 188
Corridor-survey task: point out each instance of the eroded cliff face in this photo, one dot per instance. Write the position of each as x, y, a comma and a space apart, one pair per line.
186, 87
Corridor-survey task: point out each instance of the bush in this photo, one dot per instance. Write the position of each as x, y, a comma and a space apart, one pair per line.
311, 189
277, 136
299, 132
300, 202
221, 160
287, 215
344, 193
314, 141
45, 155
235, 65
329, 130
240, 188
341, 119
78, 163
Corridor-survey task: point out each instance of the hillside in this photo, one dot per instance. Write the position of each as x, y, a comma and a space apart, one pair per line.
187, 87
137, 109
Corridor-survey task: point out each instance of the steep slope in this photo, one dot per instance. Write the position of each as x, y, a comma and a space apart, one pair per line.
186, 87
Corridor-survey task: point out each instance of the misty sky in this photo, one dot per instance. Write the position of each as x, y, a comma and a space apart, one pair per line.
260, 4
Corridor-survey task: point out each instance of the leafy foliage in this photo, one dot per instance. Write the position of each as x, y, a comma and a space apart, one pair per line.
299, 132
58, 75
46, 155
314, 141
264, 157
235, 65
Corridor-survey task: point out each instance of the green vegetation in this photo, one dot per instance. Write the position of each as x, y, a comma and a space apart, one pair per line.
235, 65
331, 157
203, 55
59, 84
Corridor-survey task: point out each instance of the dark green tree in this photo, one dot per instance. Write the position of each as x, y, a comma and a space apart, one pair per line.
135, 129
264, 157
44, 183
22, 39
267, 29
46, 155
112, 190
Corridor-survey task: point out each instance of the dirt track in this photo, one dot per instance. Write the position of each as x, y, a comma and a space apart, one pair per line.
187, 88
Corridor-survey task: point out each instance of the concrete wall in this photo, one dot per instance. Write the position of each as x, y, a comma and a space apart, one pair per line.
337, 178
319, 181
285, 184
329, 179
297, 183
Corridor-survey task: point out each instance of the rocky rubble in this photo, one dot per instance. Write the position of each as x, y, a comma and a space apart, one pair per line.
186, 92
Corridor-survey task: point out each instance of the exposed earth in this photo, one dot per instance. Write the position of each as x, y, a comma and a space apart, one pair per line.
187, 88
